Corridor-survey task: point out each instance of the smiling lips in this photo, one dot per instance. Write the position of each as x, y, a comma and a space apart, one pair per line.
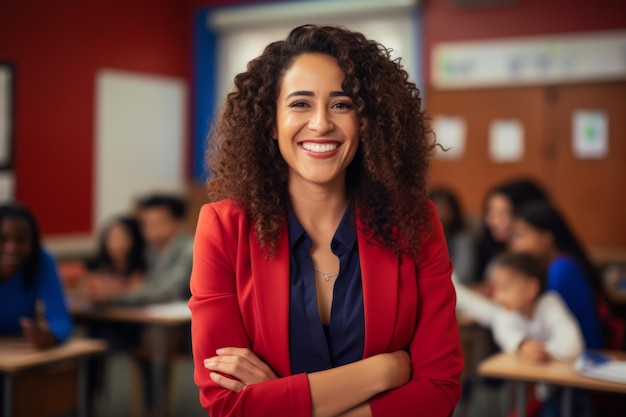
319, 147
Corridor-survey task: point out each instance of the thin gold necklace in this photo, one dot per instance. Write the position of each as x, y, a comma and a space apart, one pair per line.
327, 277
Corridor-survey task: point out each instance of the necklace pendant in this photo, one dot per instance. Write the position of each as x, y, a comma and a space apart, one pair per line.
327, 277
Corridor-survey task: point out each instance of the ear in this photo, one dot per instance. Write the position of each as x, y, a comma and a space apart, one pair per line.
274, 133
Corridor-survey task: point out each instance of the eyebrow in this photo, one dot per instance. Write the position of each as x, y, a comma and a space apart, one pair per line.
311, 94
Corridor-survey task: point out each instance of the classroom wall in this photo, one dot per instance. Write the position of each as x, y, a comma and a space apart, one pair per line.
57, 48
446, 22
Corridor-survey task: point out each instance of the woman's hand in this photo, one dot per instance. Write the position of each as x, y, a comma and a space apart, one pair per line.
533, 351
239, 363
37, 330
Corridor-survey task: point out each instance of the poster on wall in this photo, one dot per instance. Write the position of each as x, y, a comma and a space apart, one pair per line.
6, 114
450, 133
590, 134
506, 140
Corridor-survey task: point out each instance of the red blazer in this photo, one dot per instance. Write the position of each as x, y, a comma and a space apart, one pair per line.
241, 298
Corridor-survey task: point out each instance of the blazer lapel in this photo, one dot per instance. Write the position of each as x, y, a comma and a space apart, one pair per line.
271, 282
379, 273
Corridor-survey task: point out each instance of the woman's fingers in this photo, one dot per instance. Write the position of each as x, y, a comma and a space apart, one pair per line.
246, 354
227, 383
241, 364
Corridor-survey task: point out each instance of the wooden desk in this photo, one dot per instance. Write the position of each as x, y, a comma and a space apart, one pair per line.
18, 357
511, 367
160, 317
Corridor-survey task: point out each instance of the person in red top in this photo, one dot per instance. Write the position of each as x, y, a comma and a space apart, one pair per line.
321, 279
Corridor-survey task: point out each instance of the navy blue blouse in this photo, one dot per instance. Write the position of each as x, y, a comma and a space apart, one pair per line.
313, 346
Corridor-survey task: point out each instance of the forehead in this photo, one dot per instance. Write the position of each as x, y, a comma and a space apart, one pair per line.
504, 273
308, 70
160, 212
15, 225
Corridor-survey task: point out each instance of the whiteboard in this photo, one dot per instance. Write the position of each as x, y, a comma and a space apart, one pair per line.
397, 31
139, 139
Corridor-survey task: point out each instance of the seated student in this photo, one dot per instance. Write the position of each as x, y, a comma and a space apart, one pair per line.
169, 256
540, 229
169, 252
120, 263
32, 302
501, 203
537, 325
461, 244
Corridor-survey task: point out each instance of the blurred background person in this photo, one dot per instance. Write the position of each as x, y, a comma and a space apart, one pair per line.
120, 264
169, 251
541, 230
537, 325
499, 208
461, 243
32, 302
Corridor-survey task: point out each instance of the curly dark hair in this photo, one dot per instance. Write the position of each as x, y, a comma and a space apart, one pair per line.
387, 178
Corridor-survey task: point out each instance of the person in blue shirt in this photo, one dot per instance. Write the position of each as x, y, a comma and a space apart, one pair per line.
32, 302
540, 229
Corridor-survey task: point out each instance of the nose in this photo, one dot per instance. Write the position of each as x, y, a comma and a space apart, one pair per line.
321, 121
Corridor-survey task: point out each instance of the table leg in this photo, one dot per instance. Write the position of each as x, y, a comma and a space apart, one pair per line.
81, 389
566, 402
520, 398
159, 346
7, 395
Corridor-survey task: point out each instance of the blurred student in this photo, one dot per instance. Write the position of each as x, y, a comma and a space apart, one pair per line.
501, 202
537, 325
32, 302
541, 230
168, 258
461, 244
120, 263
169, 252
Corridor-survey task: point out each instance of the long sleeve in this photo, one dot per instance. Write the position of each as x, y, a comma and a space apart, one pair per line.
437, 362
474, 305
565, 342
50, 293
509, 330
217, 322
169, 280
463, 257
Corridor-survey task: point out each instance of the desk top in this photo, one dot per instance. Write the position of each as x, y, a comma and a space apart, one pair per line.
17, 354
511, 367
165, 314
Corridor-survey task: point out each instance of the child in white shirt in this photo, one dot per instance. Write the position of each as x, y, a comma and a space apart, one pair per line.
536, 325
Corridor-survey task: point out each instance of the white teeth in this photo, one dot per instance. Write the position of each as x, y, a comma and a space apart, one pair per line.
319, 147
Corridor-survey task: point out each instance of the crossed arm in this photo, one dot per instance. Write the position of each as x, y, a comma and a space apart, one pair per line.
234, 381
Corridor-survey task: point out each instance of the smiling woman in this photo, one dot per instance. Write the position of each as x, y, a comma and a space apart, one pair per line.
321, 282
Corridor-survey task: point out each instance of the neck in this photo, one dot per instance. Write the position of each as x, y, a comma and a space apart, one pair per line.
552, 253
119, 263
527, 311
318, 208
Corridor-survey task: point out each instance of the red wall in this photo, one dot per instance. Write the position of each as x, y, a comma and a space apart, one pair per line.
57, 48
446, 22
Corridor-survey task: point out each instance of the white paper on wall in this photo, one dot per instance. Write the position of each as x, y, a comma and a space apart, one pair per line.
506, 140
590, 134
451, 133
7, 187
